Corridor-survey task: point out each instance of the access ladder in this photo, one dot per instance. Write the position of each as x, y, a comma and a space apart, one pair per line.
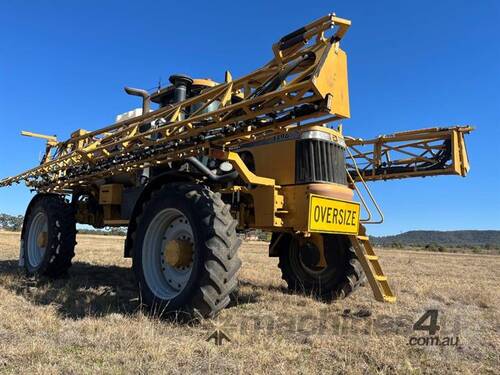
370, 263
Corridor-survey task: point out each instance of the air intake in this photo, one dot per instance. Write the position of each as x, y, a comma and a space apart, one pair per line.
319, 161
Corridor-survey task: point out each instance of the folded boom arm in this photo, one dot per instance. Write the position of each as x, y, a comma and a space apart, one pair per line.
305, 80
418, 153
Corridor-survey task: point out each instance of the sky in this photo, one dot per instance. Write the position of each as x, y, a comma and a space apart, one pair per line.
412, 64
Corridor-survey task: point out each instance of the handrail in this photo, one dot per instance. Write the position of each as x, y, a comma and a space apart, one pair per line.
381, 214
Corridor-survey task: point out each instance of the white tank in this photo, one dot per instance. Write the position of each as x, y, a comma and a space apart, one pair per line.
128, 115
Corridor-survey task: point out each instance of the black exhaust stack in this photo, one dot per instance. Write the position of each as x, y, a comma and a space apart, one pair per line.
182, 84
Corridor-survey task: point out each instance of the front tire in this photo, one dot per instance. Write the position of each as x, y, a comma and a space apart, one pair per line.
48, 237
185, 251
341, 276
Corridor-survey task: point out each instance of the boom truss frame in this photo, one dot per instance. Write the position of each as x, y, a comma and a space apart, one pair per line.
424, 152
294, 87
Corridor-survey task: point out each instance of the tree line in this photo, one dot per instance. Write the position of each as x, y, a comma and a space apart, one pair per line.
436, 240
11, 223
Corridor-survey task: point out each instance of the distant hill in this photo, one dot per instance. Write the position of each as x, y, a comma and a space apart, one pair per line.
482, 238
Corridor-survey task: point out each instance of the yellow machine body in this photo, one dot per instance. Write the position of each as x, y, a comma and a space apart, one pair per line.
278, 202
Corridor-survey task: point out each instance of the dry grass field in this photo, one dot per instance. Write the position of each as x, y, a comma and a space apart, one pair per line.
92, 322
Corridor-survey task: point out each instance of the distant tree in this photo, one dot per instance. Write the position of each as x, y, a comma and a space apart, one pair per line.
431, 247
12, 223
117, 231
104, 232
264, 236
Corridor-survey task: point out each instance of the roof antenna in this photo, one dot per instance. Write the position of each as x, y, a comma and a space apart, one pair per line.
159, 84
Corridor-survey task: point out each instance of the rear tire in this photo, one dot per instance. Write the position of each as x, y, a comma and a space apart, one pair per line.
342, 275
48, 237
197, 216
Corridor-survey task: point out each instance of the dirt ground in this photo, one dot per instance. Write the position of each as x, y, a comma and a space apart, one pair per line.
92, 322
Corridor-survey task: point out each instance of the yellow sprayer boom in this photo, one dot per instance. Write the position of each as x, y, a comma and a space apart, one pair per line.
417, 153
296, 86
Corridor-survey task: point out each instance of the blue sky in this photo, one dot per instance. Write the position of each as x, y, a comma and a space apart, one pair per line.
412, 64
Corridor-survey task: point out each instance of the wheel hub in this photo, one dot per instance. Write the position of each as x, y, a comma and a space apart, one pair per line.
309, 254
42, 239
168, 253
37, 239
178, 253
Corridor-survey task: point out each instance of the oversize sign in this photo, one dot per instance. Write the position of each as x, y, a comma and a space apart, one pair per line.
329, 215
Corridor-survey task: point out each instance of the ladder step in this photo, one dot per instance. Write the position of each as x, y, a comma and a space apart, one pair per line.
371, 257
363, 238
380, 277
390, 299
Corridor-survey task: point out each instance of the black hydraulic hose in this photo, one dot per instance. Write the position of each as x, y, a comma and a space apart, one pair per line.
211, 175
293, 38
441, 158
274, 82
